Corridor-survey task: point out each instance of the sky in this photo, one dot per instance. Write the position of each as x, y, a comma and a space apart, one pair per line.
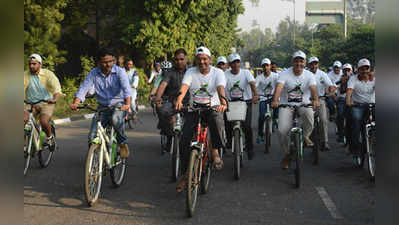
269, 13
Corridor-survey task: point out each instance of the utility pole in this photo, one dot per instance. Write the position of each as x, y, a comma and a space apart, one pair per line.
294, 26
345, 21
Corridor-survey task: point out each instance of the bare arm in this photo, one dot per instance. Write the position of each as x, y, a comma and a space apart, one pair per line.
160, 91
223, 104
255, 95
315, 96
277, 93
183, 91
349, 92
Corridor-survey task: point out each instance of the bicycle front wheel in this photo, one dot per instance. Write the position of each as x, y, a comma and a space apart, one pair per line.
93, 176
45, 155
295, 153
28, 137
268, 134
119, 169
193, 182
370, 145
206, 175
237, 153
175, 150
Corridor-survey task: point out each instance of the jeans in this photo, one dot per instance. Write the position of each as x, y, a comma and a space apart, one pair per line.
262, 112
342, 112
331, 105
215, 125
117, 118
285, 124
358, 115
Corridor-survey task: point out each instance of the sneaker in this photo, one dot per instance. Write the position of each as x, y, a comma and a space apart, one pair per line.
50, 142
124, 151
285, 163
259, 140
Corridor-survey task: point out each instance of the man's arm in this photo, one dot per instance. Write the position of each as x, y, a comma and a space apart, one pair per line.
135, 79
255, 96
160, 91
55, 86
277, 93
183, 91
126, 89
223, 104
349, 92
80, 95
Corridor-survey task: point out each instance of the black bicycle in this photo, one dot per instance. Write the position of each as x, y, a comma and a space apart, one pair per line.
268, 123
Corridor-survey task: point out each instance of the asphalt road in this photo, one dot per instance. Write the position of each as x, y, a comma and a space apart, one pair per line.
335, 192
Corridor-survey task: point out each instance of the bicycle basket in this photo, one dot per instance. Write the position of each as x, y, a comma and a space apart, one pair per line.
237, 111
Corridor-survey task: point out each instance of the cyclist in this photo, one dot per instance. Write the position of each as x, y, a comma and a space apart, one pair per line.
168, 91
208, 79
157, 81
112, 89
221, 63
265, 83
323, 82
342, 111
41, 84
361, 91
133, 77
334, 75
246, 82
295, 86
157, 70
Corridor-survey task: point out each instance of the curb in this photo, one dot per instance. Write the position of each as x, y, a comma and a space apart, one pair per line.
84, 117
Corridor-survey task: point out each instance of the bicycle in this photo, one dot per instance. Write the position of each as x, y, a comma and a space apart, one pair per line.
316, 136
296, 143
131, 118
368, 140
236, 115
200, 164
34, 138
102, 149
175, 146
268, 123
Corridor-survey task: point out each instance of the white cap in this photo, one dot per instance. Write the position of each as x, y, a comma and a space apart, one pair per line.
347, 66
299, 54
36, 57
313, 59
203, 50
363, 62
337, 64
265, 61
233, 57
221, 59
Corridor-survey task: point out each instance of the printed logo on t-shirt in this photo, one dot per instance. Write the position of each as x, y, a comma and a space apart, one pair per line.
295, 94
202, 96
236, 92
321, 80
268, 89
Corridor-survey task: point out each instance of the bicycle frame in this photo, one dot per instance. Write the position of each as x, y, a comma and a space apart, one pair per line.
201, 142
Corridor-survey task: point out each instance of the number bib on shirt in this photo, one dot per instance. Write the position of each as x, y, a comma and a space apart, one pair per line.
202, 97
295, 95
236, 93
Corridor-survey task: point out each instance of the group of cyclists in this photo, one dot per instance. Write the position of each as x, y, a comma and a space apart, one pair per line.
176, 85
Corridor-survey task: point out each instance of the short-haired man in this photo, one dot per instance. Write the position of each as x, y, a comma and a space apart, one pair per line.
41, 84
208, 79
243, 80
112, 89
323, 82
295, 86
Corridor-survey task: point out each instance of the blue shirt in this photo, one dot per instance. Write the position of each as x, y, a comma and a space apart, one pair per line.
36, 90
111, 89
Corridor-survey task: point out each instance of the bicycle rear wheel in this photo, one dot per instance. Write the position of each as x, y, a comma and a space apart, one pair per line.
206, 175
237, 153
268, 134
175, 161
27, 150
370, 145
192, 184
119, 169
45, 155
93, 178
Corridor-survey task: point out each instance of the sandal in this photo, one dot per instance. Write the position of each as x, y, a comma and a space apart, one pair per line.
182, 184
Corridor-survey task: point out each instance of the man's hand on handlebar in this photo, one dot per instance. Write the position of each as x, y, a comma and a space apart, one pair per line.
74, 106
221, 108
315, 104
275, 104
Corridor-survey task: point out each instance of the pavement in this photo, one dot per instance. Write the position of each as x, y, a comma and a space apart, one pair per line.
332, 193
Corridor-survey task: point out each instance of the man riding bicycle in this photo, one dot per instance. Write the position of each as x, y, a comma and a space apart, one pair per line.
295, 86
41, 84
342, 111
168, 91
334, 75
361, 91
133, 77
112, 89
211, 80
243, 80
323, 82
265, 83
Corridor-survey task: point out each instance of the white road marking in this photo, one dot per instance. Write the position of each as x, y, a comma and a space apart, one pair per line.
60, 121
330, 205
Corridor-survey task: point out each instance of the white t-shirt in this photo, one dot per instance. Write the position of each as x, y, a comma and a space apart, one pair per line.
363, 91
334, 77
210, 81
322, 82
296, 87
266, 85
242, 79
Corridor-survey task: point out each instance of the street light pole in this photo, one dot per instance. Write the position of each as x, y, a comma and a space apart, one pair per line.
294, 25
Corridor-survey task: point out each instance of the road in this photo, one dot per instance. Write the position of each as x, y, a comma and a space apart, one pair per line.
333, 193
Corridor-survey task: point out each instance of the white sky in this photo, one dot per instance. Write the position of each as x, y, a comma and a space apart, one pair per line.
269, 13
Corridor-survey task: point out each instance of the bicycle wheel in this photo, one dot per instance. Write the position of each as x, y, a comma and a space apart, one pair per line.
119, 169
237, 153
296, 151
45, 155
360, 156
175, 150
93, 178
370, 145
206, 175
192, 184
27, 150
268, 134
164, 140
317, 141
